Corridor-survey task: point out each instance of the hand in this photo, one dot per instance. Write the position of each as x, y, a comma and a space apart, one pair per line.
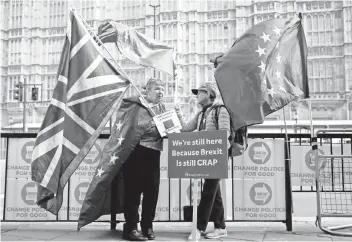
152, 124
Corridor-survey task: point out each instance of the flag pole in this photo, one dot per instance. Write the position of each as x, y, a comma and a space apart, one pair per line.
311, 118
286, 135
288, 155
73, 9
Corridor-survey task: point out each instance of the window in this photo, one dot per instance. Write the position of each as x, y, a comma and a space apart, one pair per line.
329, 69
316, 69
309, 23
321, 22
226, 31
314, 5
321, 38
315, 39
328, 37
219, 34
214, 31
322, 69
315, 22
209, 32
317, 86
310, 69
328, 21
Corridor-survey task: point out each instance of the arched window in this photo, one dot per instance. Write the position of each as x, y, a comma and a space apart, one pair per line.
214, 31
329, 69
219, 35
174, 31
260, 19
209, 32
321, 22
328, 24
226, 31
315, 22
309, 23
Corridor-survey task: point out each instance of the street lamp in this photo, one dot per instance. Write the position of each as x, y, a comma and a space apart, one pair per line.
154, 7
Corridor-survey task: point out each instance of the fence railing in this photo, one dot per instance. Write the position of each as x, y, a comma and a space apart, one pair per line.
331, 141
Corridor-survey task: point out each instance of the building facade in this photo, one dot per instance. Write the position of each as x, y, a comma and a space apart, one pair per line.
32, 36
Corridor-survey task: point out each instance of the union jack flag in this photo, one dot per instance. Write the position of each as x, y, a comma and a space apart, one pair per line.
88, 91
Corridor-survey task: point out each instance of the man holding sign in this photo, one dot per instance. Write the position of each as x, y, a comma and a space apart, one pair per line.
211, 205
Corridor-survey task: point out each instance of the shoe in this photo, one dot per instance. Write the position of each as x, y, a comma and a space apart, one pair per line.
133, 235
218, 233
198, 234
149, 233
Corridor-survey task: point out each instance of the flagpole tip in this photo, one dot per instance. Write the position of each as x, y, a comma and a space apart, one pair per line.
300, 15
72, 8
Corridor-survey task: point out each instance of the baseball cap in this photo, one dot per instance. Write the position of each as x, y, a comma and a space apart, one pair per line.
208, 87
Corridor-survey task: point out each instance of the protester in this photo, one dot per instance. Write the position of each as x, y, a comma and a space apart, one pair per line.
142, 173
210, 205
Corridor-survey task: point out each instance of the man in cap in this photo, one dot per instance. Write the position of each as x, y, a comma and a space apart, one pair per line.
210, 205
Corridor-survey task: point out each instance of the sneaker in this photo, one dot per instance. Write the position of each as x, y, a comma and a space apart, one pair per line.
198, 234
218, 233
149, 233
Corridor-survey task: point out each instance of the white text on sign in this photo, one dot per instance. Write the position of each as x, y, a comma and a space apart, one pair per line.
197, 142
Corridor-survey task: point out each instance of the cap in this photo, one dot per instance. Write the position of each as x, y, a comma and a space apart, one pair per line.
208, 87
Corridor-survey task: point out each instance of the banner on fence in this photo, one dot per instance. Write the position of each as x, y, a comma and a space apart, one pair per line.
304, 160
259, 199
260, 154
259, 182
262, 160
21, 192
21, 201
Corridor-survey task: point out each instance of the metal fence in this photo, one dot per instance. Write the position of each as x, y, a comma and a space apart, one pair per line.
334, 188
300, 139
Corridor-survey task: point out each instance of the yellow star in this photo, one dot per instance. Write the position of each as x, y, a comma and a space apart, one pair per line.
119, 125
262, 66
100, 172
260, 51
120, 140
278, 58
113, 158
265, 37
277, 31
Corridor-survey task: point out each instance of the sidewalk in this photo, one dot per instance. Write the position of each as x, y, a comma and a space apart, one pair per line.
303, 230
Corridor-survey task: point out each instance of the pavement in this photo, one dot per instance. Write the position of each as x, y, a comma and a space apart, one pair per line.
304, 229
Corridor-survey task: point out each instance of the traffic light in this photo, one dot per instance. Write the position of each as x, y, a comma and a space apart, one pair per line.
18, 93
35, 93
